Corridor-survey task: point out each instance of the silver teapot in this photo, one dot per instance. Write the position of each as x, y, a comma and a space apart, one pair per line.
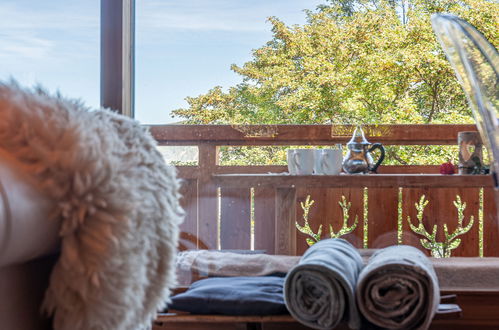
358, 158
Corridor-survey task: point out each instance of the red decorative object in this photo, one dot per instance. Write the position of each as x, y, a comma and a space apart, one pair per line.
447, 168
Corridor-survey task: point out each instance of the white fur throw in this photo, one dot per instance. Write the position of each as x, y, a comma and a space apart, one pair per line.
117, 202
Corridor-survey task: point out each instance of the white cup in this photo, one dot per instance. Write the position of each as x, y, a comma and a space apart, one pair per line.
328, 161
291, 163
301, 161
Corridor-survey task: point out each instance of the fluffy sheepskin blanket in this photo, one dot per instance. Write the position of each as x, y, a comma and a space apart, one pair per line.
116, 199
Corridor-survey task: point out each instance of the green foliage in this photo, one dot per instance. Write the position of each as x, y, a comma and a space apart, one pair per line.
354, 61
315, 237
451, 242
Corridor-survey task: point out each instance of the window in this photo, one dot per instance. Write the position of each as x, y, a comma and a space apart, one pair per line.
315, 83
185, 48
53, 43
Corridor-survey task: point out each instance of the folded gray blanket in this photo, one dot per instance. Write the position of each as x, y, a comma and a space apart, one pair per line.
319, 291
454, 274
398, 289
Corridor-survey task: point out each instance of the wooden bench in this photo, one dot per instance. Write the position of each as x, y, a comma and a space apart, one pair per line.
479, 311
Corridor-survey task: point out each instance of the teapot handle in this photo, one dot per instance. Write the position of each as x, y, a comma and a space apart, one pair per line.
381, 157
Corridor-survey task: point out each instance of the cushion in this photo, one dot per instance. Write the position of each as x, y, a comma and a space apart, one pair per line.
233, 296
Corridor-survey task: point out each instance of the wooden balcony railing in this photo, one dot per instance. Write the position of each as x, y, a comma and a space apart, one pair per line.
228, 210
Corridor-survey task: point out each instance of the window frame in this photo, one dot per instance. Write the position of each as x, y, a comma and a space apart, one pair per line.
117, 56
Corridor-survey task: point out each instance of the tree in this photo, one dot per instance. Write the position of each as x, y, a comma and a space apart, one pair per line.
354, 61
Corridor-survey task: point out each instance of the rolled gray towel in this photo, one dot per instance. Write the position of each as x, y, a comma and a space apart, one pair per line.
398, 289
319, 291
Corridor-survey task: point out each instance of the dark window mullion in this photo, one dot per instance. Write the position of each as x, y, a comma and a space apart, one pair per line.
117, 55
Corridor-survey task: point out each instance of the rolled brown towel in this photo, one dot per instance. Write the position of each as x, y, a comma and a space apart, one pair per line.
398, 289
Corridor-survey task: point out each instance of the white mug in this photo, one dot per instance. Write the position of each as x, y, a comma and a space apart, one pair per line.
291, 163
328, 161
301, 161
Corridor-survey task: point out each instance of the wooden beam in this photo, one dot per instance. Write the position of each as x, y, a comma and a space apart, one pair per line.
306, 134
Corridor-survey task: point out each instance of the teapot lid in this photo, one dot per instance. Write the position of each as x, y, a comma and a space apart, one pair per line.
358, 137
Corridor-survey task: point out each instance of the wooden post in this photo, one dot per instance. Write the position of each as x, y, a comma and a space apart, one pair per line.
285, 218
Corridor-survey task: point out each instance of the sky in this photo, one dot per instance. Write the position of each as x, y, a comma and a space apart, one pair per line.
183, 48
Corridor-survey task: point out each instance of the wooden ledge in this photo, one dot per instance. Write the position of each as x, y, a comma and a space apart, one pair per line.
354, 181
183, 317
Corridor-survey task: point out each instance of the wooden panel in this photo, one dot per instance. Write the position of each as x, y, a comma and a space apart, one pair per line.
235, 220
187, 172
285, 201
440, 211
326, 211
207, 218
189, 202
382, 217
409, 169
354, 181
207, 198
356, 197
307, 134
410, 196
264, 219
469, 246
490, 224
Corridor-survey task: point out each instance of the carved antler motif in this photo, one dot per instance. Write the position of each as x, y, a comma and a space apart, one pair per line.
314, 238
305, 229
420, 229
451, 238
344, 229
441, 249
